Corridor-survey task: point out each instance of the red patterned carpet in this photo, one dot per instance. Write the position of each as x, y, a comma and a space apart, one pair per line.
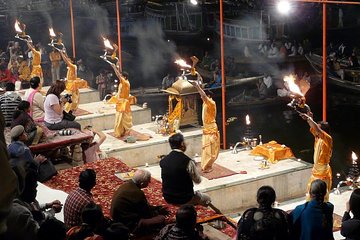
107, 183
218, 172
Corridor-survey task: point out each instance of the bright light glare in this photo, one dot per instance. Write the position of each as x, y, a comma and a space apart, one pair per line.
283, 7
194, 2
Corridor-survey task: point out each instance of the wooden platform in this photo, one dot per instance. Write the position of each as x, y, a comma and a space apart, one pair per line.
142, 152
102, 115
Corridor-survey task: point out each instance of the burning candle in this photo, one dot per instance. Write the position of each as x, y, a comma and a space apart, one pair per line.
247, 119
354, 158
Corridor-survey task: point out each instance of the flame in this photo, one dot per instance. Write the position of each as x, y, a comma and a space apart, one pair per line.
52, 33
17, 27
292, 85
107, 44
247, 119
353, 156
182, 63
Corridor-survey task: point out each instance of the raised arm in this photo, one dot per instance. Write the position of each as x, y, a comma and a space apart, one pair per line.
30, 45
199, 89
116, 70
311, 122
65, 57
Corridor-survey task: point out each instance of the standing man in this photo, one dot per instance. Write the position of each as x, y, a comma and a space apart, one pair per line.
36, 61
178, 172
55, 59
79, 198
123, 117
211, 135
322, 152
130, 206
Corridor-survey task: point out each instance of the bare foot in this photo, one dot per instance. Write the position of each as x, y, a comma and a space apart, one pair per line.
208, 170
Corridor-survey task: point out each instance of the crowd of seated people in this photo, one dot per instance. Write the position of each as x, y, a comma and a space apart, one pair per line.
23, 217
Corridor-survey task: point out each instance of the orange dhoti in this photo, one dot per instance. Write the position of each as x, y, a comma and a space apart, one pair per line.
210, 148
322, 155
37, 72
123, 117
72, 87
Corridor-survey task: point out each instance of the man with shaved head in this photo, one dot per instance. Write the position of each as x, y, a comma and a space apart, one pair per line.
130, 206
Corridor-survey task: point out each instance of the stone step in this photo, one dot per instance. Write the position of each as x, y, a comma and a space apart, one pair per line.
87, 95
143, 153
101, 115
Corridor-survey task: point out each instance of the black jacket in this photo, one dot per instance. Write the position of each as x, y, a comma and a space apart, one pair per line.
177, 185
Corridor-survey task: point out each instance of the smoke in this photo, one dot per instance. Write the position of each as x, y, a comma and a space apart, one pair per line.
154, 52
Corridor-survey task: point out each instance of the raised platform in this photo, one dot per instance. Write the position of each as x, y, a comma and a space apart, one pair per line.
87, 95
142, 152
288, 177
102, 115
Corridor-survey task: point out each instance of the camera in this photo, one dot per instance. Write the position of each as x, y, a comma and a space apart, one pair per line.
68, 97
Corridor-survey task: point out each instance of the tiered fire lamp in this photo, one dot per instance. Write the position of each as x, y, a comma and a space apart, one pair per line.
353, 178
20, 32
56, 40
298, 99
248, 133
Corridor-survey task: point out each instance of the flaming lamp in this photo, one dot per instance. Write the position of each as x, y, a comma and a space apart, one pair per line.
248, 133
298, 99
353, 178
20, 31
109, 47
56, 40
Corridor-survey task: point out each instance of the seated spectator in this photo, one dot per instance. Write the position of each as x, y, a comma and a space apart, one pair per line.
264, 222
9, 102
313, 220
247, 53
52, 229
206, 61
91, 148
8, 181
36, 100
130, 206
27, 214
20, 154
185, 226
21, 211
116, 231
178, 172
273, 51
92, 225
24, 74
350, 227
54, 107
300, 50
21, 117
79, 198
5, 75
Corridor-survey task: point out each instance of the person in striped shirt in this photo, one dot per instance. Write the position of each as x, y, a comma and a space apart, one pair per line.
9, 102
